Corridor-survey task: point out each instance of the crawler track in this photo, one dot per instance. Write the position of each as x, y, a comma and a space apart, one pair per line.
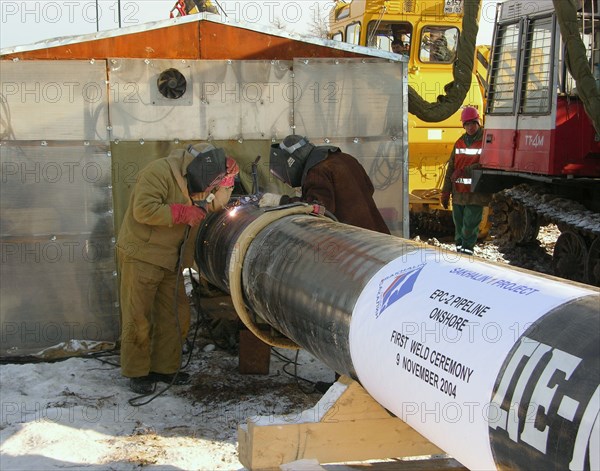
518, 213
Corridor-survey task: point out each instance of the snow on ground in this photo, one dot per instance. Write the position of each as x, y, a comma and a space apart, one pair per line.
75, 414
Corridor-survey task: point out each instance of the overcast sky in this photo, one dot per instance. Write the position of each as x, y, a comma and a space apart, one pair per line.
28, 21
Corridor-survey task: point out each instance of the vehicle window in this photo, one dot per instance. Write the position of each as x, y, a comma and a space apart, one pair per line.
537, 76
353, 33
392, 36
438, 44
504, 70
337, 36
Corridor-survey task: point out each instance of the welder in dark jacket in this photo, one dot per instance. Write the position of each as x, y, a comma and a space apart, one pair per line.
467, 206
326, 176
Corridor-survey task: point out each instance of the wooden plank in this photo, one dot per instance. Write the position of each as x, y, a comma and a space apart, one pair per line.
354, 428
354, 404
254, 354
268, 446
422, 464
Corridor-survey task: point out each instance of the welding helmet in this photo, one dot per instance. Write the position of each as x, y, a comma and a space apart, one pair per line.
288, 159
469, 114
207, 169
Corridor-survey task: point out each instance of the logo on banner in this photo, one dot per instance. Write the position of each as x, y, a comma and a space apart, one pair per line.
401, 285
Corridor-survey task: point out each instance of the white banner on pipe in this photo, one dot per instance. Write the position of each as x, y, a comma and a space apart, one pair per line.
429, 335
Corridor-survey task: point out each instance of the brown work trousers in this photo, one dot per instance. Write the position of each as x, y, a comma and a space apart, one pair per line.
151, 338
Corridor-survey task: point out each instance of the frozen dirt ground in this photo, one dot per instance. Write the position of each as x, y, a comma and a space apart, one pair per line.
74, 414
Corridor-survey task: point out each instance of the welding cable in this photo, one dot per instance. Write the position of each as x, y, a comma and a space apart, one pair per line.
236, 262
288, 361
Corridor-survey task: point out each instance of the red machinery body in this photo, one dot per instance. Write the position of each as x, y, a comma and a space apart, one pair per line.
541, 152
561, 143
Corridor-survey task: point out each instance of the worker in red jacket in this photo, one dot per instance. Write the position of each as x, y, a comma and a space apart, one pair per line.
467, 206
326, 176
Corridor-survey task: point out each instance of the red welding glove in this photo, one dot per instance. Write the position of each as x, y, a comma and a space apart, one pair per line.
190, 215
445, 200
232, 167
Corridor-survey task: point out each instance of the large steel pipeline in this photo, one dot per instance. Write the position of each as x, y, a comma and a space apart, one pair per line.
497, 366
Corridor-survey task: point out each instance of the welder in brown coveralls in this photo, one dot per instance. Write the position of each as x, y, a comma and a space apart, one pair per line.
156, 242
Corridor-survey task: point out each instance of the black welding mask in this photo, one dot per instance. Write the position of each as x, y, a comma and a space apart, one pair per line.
288, 159
207, 169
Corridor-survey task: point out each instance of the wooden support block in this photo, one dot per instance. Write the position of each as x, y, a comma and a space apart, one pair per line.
254, 356
347, 424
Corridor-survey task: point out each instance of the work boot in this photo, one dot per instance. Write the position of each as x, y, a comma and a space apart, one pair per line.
466, 251
142, 385
182, 378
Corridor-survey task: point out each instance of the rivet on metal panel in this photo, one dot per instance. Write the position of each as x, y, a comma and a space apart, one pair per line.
273, 140
364, 61
109, 128
92, 61
110, 211
292, 75
117, 304
117, 141
43, 143
113, 61
229, 61
327, 141
114, 273
142, 142
86, 143
146, 61
113, 240
240, 140
53, 237
336, 62
16, 59
305, 61
176, 141
109, 187
356, 140
394, 138
273, 62
109, 154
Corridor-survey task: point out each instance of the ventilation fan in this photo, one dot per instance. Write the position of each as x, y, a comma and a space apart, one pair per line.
171, 84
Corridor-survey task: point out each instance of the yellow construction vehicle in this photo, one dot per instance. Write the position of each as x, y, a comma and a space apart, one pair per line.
190, 7
426, 33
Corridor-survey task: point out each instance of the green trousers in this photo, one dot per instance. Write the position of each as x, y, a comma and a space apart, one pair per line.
466, 224
151, 339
